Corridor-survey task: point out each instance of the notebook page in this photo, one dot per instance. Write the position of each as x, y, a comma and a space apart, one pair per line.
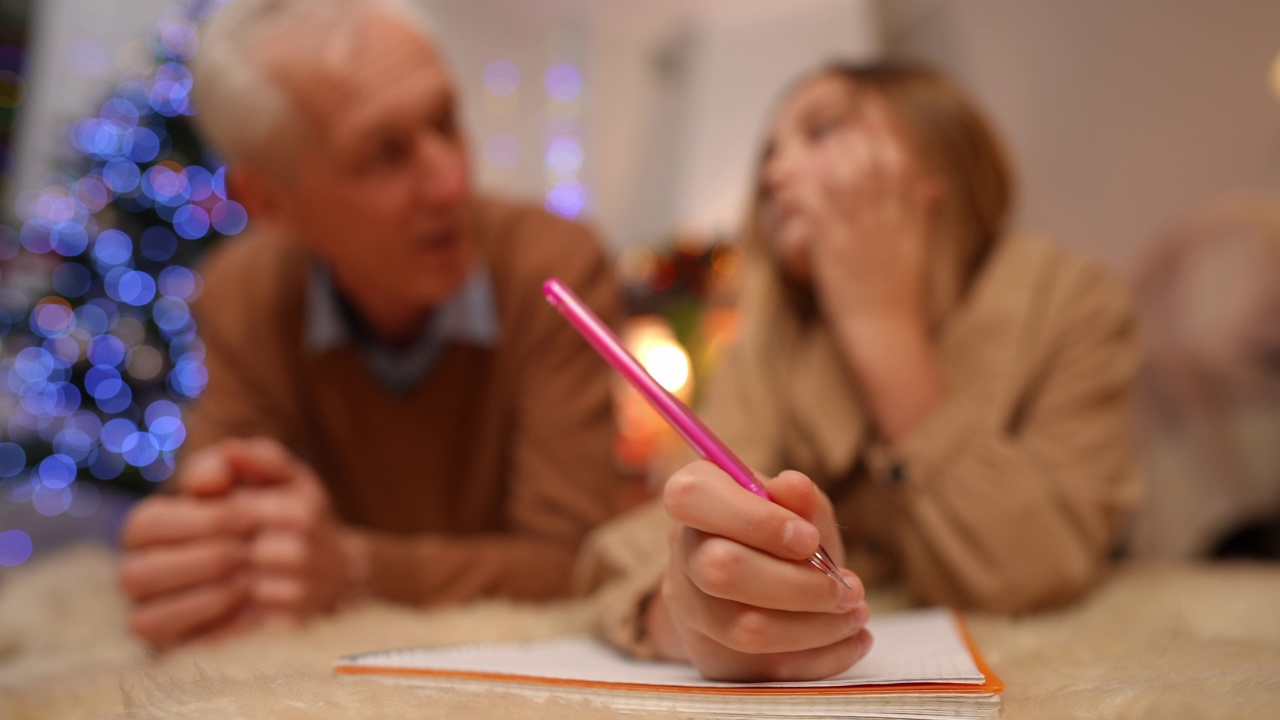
910, 647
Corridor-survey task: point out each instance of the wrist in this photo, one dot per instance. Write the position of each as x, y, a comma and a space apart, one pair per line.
358, 566
897, 366
880, 326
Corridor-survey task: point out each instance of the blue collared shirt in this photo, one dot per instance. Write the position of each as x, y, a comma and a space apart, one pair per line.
469, 316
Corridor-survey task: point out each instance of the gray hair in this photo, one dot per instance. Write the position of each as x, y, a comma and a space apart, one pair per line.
240, 108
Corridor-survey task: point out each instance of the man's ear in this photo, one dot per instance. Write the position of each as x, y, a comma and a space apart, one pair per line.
260, 195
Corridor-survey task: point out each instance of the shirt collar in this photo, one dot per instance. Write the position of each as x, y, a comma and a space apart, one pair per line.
469, 316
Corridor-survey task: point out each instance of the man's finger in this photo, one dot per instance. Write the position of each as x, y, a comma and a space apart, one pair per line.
280, 591
289, 507
169, 619
166, 568
206, 472
164, 519
276, 550
263, 460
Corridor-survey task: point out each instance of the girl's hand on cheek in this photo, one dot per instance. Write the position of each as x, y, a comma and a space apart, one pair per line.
871, 213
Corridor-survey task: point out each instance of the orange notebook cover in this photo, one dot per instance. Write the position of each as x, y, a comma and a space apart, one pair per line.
924, 660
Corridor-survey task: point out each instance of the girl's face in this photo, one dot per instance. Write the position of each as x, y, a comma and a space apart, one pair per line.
816, 129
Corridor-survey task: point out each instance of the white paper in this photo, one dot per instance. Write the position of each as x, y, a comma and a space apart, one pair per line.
909, 647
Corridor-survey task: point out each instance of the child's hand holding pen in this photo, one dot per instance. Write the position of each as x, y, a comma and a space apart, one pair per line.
740, 599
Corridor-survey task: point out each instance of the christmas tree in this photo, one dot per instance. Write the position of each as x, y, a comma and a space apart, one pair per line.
98, 348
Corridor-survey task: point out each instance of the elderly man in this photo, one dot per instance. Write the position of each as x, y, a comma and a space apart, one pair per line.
392, 409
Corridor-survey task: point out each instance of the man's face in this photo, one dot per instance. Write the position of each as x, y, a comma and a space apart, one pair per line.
379, 186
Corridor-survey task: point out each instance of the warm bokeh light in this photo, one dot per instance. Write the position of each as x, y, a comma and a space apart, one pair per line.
642, 433
654, 344
668, 363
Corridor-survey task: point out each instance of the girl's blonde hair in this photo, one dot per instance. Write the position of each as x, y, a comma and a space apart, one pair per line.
952, 139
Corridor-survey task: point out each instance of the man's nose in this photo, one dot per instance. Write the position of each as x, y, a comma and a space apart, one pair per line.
441, 172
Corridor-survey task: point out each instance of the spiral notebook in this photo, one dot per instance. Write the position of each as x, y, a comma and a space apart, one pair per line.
923, 664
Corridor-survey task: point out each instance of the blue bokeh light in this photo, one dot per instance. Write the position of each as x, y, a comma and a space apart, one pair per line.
144, 145
170, 90
115, 432
563, 82
120, 112
73, 443
86, 422
68, 238
112, 247
67, 351
229, 217
57, 471
121, 175
35, 237
92, 192
567, 198
132, 287
564, 155
13, 459
188, 377
106, 465
200, 182
191, 222
51, 501
501, 78
160, 470
158, 243
178, 282
33, 364
72, 280
18, 489
171, 314
140, 449
102, 382
106, 351
169, 433
117, 403
53, 320
161, 409
98, 139
220, 182
15, 548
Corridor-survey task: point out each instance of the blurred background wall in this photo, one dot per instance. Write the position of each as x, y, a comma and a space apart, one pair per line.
1119, 113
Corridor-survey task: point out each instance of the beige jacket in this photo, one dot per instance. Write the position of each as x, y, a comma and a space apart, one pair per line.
1011, 496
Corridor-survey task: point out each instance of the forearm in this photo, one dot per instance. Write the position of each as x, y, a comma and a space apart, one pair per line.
995, 525
897, 367
438, 569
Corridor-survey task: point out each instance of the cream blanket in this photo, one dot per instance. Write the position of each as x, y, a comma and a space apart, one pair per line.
1154, 642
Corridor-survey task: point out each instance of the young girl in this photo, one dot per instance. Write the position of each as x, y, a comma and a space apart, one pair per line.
950, 404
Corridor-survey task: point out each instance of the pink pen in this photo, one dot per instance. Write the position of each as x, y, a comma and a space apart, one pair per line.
676, 413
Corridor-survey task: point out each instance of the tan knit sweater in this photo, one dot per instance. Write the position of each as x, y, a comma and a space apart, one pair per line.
480, 481
1011, 496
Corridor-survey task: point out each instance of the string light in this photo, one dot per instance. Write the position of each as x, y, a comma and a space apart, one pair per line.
100, 354
565, 193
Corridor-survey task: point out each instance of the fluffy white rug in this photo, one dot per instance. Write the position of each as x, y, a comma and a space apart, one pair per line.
1154, 642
